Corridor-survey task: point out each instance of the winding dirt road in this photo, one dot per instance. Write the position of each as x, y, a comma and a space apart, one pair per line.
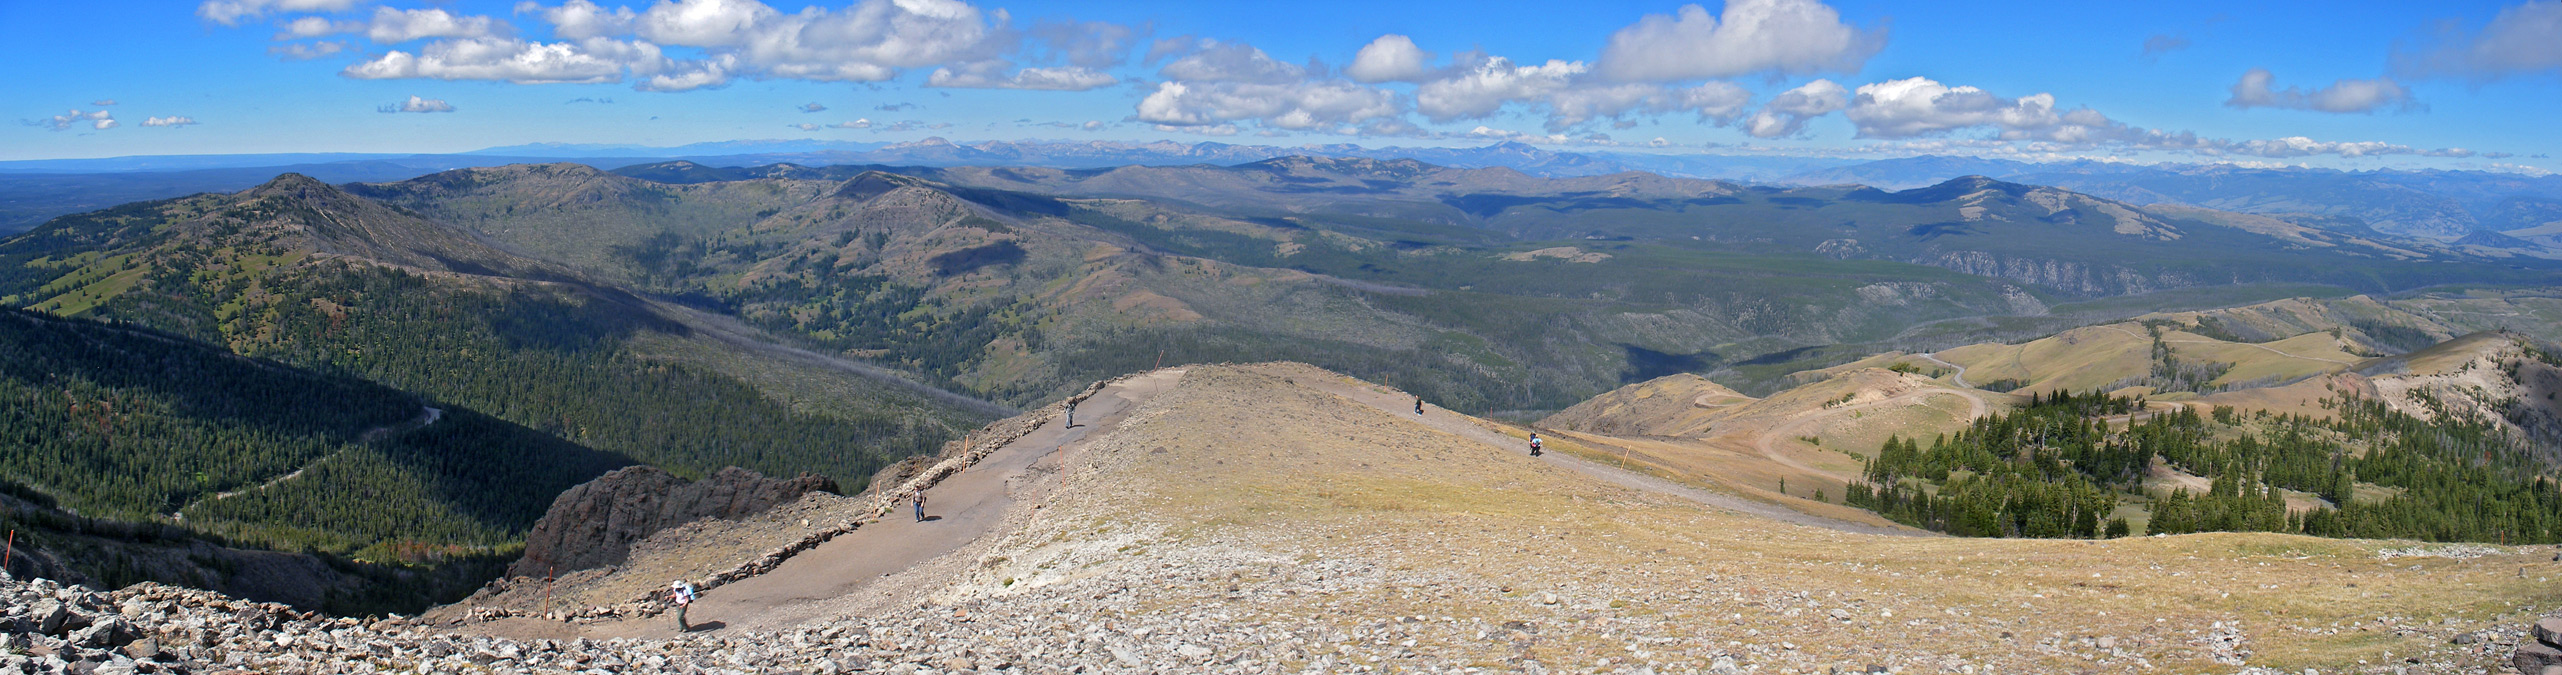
1768, 440
1455, 424
1959, 378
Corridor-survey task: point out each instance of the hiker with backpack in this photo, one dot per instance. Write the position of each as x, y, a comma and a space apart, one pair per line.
682, 595
1534, 444
920, 506
1418, 405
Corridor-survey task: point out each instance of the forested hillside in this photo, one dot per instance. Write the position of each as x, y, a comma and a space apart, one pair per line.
310, 276
125, 423
2055, 468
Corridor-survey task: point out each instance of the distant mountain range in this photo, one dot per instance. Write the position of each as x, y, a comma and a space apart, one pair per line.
2501, 210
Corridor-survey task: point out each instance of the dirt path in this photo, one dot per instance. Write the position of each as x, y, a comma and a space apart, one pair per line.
1766, 443
962, 508
1959, 378
1455, 424
426, 415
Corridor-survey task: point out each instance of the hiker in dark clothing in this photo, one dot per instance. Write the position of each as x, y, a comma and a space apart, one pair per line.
1071, 421
1534, 444
1418, 405
920, 506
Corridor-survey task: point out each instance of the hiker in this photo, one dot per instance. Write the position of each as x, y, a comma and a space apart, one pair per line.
1534, 444
1418, 405
682, 594
1071, 413
920, 506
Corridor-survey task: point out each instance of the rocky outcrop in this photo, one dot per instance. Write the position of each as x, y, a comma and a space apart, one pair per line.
596, 523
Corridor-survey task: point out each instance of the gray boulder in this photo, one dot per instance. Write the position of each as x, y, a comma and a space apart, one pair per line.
596, 523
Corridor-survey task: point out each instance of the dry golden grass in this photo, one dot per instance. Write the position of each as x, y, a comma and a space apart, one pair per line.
1239, 459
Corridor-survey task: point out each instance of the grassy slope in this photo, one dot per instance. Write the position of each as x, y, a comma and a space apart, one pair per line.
1243, 472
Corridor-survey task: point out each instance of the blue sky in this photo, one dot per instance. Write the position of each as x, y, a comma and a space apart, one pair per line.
2353, 85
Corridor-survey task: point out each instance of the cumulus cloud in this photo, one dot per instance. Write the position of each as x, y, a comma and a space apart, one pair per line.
306, 52
1293, 105
95, 118
1791, 37
172, 121
1918, 106
1915, 108
868, 41
316, 26
1565, 93
390, 26
812, 107
2522, 38
582, 19
991, 75
416, 104
1484, 87
1787, 113
856, 124
590, 61
233, 12
2159, 44
1391, 58
2344, 96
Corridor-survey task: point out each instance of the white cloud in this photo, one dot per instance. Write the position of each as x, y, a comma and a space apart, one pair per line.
1918, 106
1391, 58
988, 75
172, 121
232, 12
1295, 105
1787, 113
97, 118
2522, 38
582, 19
416, 104
1791, 37
1566, 94
1093, 125
513, 60
705, 23
863, 43
390, 26
856, 124
306, 52
1232, 62
103, 102
315, 26
1719, 102
1483, 88
2344, 96
812, 107
868, 41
